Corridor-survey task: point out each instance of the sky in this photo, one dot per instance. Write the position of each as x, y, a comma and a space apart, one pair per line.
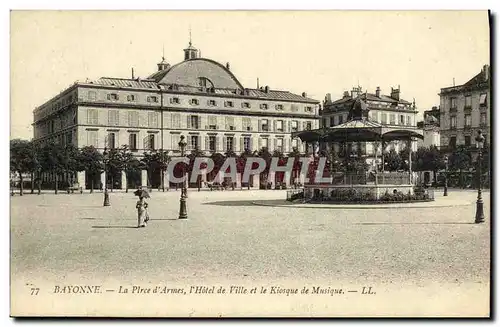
316, 52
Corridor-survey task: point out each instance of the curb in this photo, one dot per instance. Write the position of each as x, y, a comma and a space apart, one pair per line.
358, 207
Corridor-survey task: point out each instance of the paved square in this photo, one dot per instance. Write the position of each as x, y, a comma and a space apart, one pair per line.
67, 238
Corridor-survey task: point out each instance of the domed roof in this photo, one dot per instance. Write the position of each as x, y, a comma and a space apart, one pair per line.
190, 71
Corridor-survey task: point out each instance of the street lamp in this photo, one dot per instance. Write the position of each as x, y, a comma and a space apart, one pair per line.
182, 210
445, 176
479, 202
106, 195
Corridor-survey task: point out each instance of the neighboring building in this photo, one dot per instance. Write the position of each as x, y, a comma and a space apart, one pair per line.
197, 97
389, 110
465, 109
430, 127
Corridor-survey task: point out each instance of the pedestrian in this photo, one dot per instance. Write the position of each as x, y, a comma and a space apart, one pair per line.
142, 208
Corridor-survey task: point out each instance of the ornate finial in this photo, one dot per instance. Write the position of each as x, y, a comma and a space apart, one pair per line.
190, 35
163, 53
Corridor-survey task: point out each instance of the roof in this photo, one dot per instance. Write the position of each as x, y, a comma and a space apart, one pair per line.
371, 97
125, 82
478, 79
189, 71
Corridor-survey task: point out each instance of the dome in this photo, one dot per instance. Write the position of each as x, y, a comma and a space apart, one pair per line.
192, 72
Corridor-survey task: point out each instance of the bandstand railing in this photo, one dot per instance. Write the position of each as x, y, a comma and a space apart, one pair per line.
385, 178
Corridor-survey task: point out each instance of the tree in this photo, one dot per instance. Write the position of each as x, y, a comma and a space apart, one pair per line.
297, 164
114, 165
241, 163
196, 153
163, 159
22, 159
129, 163
92, 162
393, 160
52, 161
70, 161
460, 160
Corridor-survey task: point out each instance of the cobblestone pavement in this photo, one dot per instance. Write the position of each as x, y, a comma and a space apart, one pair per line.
68, 237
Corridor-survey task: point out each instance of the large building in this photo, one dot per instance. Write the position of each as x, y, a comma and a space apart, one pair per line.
465, 109
430, 127
388, 110
198, 98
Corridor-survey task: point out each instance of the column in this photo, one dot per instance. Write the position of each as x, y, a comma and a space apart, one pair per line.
81, 179
144, 178
124, 180
409, 159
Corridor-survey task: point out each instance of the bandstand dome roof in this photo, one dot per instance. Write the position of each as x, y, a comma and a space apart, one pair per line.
190, 71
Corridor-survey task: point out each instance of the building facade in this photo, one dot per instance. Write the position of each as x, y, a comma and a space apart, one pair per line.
464, 109
431, 129
198, 98
388, 110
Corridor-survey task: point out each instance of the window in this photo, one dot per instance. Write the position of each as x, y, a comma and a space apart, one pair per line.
175, 100
133, 118
111, 141
152, 98
92, 95
264, 125
205, 82
175, 138
132, 142
92, 116
193, 121
295, 144
194, 102
92, 138
482, 119
279, 125
401, 120
247, 124
176, 120
245, 105
467, 120
265, 143
374, 116
194, 142
468, 101
308, 109
383, 118
467, 140
341, 119
392, 118
130, 97
212, 141
212, 122
332, 121
113, 118
246, 143
295, 126
453, 103
113, 97
151, 141
212, 103
408, 120
453, 122
483, 100
308, 125
453, 142
279, 145
153, 119
229, 104
278, 107
264, 106
230, 123
324, 122
229, 143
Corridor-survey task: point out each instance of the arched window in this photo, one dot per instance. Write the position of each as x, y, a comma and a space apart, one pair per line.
205, 82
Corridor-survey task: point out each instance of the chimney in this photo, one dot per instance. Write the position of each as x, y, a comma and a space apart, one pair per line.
355, 92
228, 66
395, 93
346, 94
486, 72
304, 94
266, 89
377, 92
132, 72
328, 98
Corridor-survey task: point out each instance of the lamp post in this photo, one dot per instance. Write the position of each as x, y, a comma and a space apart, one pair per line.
106, 195
445, 193
182, 209
479, 203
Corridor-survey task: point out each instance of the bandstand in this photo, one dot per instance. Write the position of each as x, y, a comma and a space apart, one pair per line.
372, 183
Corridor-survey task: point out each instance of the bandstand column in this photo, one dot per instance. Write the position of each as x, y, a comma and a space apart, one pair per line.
409, 159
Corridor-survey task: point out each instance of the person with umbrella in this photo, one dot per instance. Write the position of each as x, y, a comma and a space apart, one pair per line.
142, 207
